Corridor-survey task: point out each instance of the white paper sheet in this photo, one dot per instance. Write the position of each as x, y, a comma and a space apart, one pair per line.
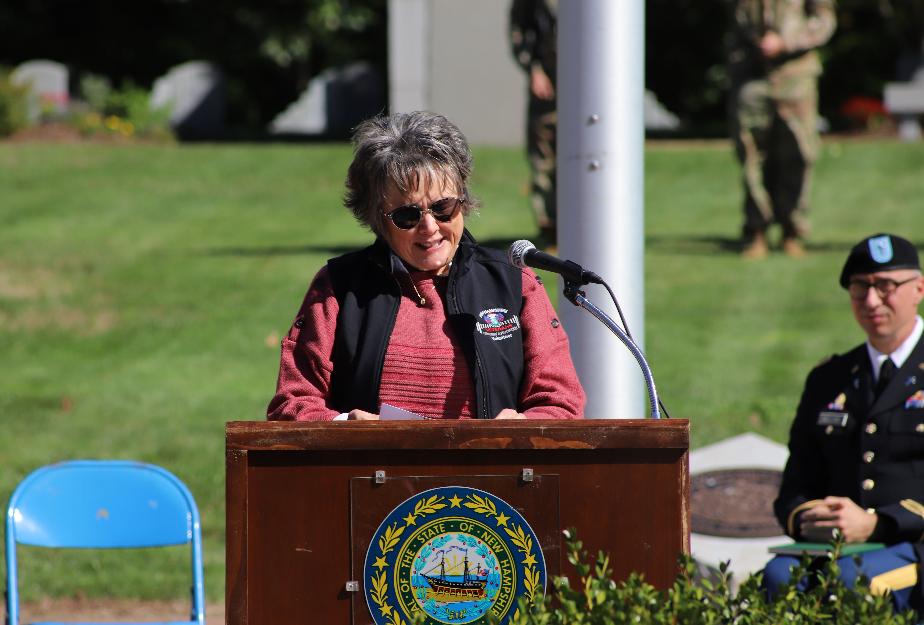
393, 413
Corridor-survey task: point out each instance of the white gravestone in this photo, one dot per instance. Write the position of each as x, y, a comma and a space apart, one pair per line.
48, 88
195, 93
905, 100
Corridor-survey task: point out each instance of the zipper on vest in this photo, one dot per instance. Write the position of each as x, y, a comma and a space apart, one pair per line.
483, 408
479, 369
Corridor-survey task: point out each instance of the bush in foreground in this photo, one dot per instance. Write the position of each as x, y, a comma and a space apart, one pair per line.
597, 600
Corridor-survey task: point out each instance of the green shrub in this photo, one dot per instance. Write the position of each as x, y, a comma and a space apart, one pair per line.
133, 104
95, 90
13, 114
124, 112
598, 600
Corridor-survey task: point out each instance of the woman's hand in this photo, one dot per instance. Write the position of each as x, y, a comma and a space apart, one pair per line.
361, 415
510, 413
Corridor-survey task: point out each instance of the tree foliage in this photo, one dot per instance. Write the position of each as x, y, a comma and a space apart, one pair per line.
269, 49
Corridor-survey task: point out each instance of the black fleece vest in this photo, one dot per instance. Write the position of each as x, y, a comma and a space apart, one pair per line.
484, 298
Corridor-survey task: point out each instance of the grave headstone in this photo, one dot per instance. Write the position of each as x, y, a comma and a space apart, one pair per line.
334, 102
196, 94
657, 116
47, 82
905, 100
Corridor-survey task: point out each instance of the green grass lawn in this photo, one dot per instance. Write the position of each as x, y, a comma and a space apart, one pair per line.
144, 289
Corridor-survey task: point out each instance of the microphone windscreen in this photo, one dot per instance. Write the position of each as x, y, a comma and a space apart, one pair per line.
517, 252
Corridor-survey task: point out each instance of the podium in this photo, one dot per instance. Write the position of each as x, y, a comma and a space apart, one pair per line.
305, 499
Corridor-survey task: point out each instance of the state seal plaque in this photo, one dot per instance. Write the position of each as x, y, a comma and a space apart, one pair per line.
454, 554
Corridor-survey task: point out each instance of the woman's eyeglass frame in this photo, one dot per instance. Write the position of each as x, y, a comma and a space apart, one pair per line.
407, 217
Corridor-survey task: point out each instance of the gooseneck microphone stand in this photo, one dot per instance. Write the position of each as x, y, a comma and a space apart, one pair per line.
576, 296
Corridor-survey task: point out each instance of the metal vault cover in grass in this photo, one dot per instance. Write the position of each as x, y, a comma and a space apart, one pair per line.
735, 503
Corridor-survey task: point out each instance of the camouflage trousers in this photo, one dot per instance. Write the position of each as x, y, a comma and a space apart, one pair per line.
776, 140
542, 126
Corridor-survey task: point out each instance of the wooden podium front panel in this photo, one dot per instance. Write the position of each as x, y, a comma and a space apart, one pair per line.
292, 515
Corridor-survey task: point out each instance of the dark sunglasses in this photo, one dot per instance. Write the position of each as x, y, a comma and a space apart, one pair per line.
407, 217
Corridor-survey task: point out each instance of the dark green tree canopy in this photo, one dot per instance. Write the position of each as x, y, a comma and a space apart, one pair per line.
269, 49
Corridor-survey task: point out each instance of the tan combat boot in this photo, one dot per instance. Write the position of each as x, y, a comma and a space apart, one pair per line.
757, 248
793, 247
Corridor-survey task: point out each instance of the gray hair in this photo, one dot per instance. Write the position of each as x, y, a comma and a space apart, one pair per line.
404, 151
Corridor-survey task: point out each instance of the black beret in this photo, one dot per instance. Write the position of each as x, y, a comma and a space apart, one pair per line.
880, 252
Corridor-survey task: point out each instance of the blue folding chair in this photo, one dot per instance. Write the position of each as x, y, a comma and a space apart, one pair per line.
103, 504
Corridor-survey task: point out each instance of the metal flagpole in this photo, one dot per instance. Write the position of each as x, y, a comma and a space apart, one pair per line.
601, 136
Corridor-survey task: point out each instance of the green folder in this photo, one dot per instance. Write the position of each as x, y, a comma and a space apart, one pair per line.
820, 549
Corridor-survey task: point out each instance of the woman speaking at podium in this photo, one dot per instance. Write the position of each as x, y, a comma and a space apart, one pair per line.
423, 319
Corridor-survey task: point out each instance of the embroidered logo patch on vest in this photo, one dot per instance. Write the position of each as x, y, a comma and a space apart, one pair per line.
497, 323
453, 555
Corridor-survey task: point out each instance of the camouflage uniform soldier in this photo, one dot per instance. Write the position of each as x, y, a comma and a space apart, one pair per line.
533, 39
774, 70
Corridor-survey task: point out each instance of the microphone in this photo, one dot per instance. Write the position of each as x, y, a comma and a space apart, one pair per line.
522, 253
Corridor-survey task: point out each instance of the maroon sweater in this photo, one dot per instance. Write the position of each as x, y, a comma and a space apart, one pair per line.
425, 370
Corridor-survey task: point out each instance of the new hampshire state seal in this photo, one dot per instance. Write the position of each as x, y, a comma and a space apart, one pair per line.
454, 554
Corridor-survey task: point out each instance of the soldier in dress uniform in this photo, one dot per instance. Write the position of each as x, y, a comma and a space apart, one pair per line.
856, 447
533, 40
774, 69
